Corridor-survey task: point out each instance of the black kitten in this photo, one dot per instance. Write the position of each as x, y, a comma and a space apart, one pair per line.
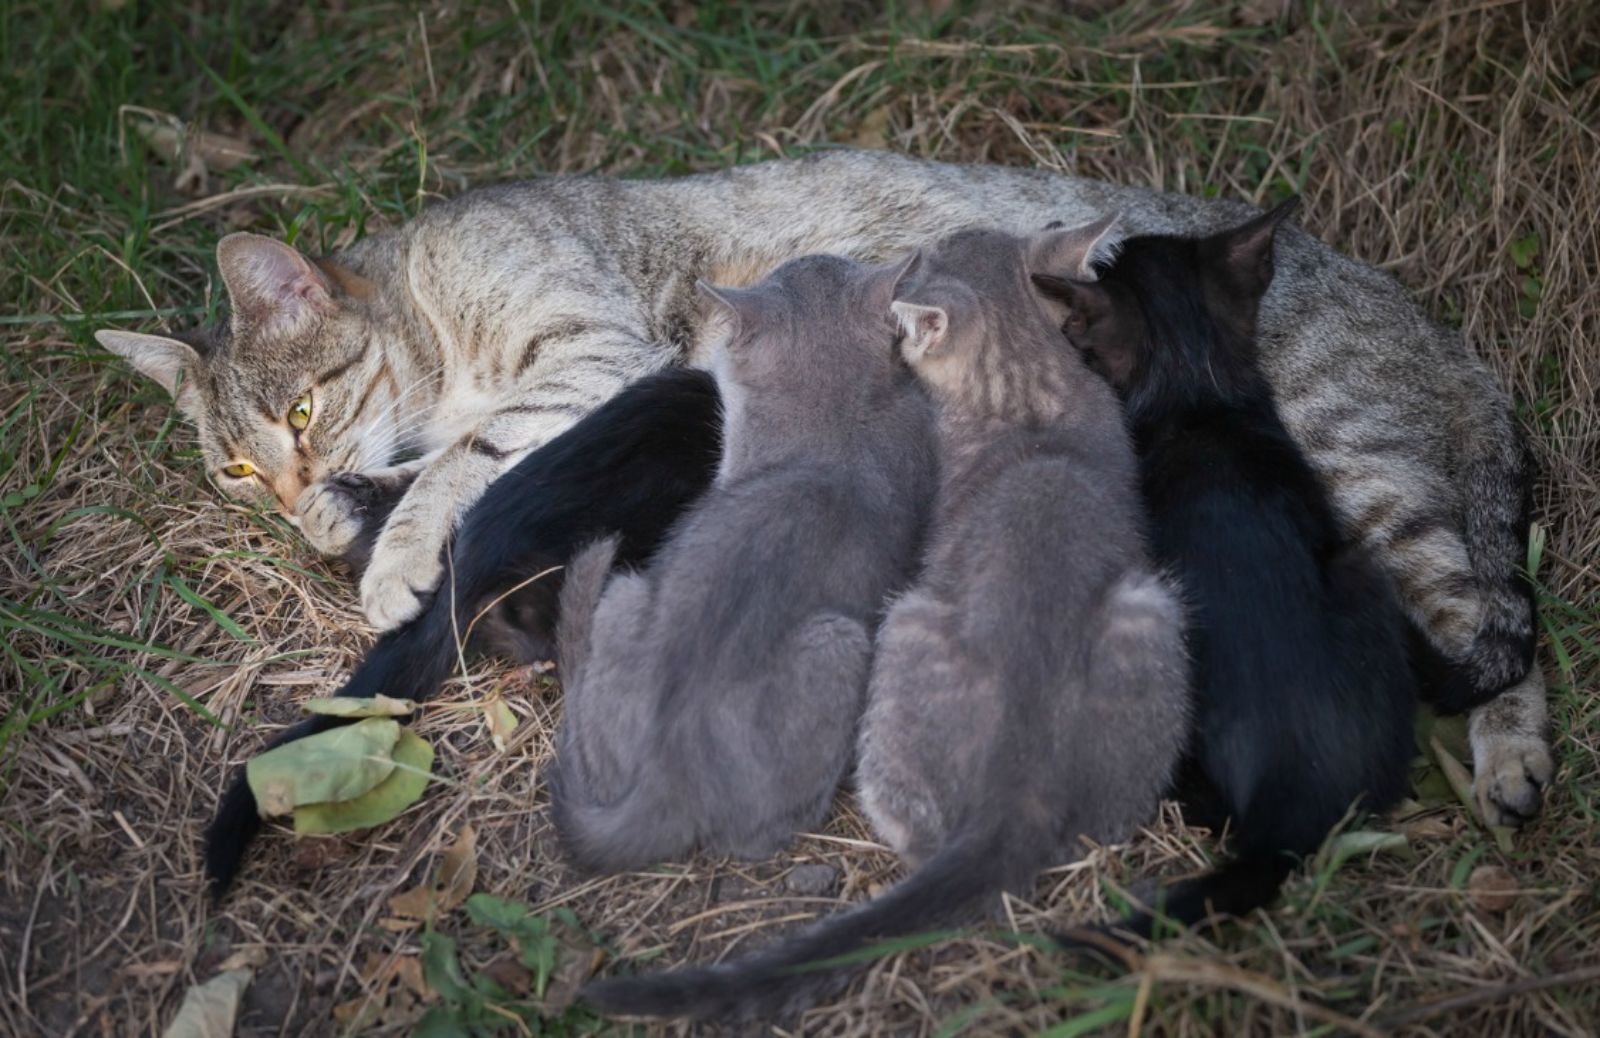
1299, 651
630, 468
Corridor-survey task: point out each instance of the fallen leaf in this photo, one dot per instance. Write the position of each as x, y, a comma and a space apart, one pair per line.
339, 764
458, 872
1491, 888
577, 959
412, 764
501, 722
195, 151
360, 706
209, 1009
510, 974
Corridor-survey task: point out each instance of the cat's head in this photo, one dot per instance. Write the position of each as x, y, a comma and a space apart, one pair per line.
1171, 311
293, 387
973, 328
812, 322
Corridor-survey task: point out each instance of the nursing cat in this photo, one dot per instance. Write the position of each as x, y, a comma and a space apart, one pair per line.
711, 699
493, 321
1304, 693
1037, 649
629, 469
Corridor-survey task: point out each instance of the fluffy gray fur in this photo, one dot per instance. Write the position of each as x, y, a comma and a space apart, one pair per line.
491, 322
1038, 649
712, 699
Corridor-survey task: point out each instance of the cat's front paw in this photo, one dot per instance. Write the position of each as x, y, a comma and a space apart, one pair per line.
333, 514
405, 569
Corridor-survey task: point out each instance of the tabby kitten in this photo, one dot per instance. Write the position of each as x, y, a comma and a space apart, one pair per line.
493, 321
1304, 695
711, 699
1036, 649
628, 469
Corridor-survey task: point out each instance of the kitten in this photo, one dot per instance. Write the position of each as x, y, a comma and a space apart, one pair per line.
630, 468
1304, 696
711, 700
492, 321
1038, 649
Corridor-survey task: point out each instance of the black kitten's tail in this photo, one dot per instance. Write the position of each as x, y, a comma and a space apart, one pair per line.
408, 663
1236, 888
800, 970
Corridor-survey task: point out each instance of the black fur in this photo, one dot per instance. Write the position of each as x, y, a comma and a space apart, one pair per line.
1305, 693
629, 468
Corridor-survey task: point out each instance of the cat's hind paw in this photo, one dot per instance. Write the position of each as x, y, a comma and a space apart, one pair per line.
1512, 773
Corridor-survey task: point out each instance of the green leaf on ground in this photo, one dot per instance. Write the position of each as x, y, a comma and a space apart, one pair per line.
340, 764
413, 760
360, 706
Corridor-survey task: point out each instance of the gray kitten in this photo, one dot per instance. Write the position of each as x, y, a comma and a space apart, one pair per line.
712, 699
1030, 690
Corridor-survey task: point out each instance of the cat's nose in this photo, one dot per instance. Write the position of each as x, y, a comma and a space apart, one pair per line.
287, 489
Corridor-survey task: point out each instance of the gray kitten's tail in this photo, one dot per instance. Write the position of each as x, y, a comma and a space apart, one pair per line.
580, 597
800, 970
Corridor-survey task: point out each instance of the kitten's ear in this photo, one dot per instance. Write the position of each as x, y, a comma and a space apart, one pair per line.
1074, 252
927, 329
1247, 249
1087, 302
742, 304
270, 284
885, 280
163, 360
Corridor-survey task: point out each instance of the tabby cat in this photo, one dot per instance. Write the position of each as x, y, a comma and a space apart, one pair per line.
451, 347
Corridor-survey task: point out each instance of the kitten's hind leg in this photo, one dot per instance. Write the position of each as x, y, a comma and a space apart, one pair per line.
1137, 686
798, 743
922, 694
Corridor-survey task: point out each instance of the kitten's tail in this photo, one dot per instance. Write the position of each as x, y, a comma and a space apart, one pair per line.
1236, 888
580, 598
408, 663
800, 970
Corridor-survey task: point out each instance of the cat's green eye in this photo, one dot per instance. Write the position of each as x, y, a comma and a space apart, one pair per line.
300, 413
239, 471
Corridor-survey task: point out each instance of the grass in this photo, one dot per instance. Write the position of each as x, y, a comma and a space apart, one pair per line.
147, 628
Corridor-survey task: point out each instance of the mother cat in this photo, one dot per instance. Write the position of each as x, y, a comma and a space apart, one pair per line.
493, 321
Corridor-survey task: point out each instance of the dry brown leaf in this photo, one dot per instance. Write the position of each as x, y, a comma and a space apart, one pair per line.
1491, 888
209, 1009
458, 873
196, 152
577, 959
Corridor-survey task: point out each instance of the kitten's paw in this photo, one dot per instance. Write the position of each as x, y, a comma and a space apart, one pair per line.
1512, 771
332, 514
394, 586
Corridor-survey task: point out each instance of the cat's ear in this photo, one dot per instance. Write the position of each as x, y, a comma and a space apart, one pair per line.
169, 362
1075, 252
743, 305
270, 284
883, 282
1247, 249
1087, 302
927, 329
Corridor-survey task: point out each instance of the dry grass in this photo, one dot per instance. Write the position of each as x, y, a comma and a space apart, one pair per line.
1426, 137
